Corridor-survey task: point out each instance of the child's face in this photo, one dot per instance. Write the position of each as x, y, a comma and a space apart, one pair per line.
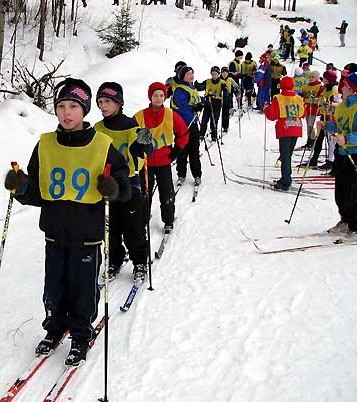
158, 98
189, 76
108, 106
70, 115
224, 74
214, 75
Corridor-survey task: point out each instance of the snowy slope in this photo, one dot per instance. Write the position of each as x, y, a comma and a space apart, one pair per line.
224, 323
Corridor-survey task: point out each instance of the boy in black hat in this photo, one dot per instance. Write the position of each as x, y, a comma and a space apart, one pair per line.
65, 178
227, 104
126, 219
214, 88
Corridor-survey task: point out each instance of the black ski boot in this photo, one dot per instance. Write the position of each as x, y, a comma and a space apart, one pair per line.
77, 354
48, 344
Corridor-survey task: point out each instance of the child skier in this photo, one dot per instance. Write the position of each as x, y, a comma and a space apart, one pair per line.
187, 103
65, 178
227, 104
126, 220
287, 109
170, 136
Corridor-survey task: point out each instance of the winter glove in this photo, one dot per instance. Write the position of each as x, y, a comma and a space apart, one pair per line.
175, 151
139, 150
108, 187
144, 136
198, 106
16, 182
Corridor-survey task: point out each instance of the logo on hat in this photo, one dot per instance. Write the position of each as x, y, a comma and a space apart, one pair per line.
81, 93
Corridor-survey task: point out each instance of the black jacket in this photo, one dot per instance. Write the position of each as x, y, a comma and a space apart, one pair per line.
68, 223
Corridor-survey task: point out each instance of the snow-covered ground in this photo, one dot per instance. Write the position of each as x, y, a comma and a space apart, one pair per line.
224, 323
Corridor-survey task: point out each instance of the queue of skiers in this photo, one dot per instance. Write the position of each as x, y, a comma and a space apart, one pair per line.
132, 153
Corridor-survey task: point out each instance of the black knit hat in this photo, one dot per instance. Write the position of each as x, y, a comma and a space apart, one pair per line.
75, 90
248, 56
111, 90
238, 53
224, 69
182, 72
179, 64
215, 69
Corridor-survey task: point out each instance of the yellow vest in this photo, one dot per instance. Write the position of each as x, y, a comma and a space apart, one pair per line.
70, 173
344, 119
237, 65
299, 82
122, 139
325, 103
291, 107
310, 93
248, 68
163, 134
194, 95
215, 90
276, 71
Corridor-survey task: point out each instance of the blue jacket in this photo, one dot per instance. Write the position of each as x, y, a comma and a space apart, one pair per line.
184, 109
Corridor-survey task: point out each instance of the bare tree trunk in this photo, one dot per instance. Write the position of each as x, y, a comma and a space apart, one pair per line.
252, 3
232, 8
61, 6
41, 32
179, 3
2, 29
270, 5
294, 5
289, 5
261, 3
213, 8
284, 5
72, 10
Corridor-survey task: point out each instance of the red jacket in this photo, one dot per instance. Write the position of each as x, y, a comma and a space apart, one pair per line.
153, 118
286, 103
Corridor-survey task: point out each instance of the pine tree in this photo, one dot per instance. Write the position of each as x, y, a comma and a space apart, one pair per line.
120, 34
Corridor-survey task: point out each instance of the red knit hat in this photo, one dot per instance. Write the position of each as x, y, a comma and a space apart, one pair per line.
287, 83
351, 81
330, 76
156, 86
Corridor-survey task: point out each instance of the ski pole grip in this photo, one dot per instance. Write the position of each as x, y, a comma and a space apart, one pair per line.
107, 168
15, 166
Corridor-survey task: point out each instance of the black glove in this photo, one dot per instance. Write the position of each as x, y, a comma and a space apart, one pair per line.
175, 151
199, 106
139, 150
108, 187
144, 136
16, 181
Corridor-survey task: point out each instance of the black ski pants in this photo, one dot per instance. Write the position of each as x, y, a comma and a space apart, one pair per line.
126, 223
165, 186
226, 107
192, 152
346, 190
71, 293
286, 148
211, 113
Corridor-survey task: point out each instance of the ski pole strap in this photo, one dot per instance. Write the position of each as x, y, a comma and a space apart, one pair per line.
15, 168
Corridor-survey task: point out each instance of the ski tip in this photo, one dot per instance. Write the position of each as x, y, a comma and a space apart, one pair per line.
157, 255
123, 309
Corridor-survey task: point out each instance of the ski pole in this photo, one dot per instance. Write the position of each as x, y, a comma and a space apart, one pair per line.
206, 147
219, 147
240, 116
148, 224
15, 167
302, 182
106, 288
265, 148
308, 136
